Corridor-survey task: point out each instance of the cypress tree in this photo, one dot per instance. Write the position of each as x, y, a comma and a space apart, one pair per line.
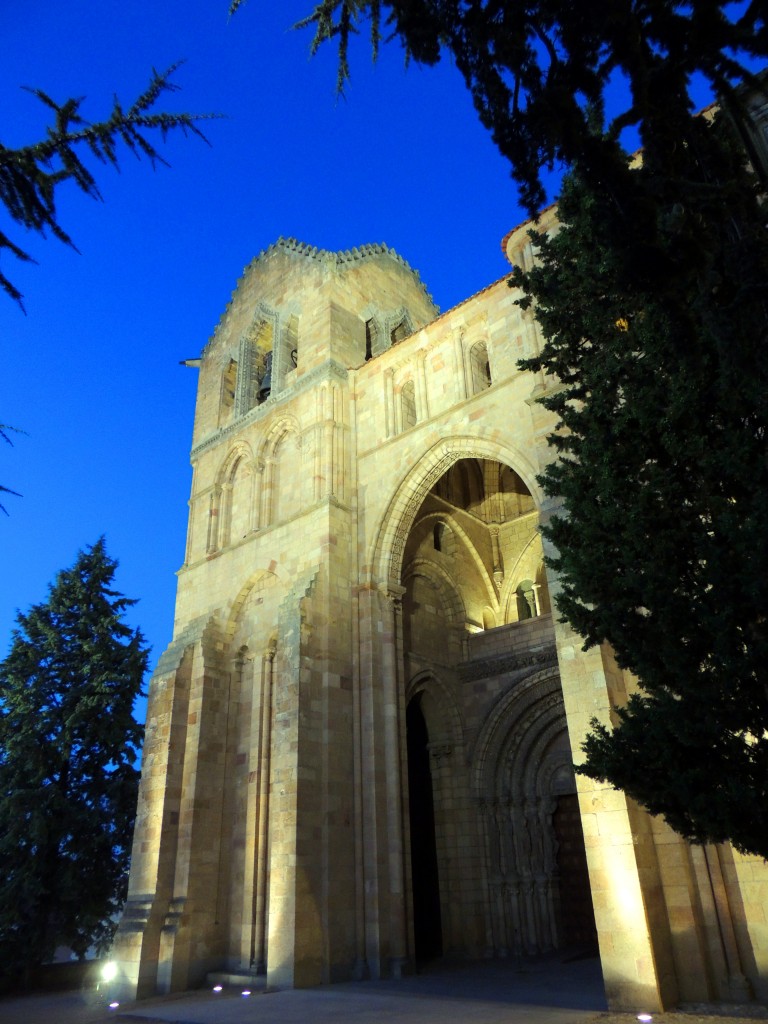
653, 300
68, 776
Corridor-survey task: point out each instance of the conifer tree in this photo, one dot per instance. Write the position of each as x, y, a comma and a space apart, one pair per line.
653, 300
68, 776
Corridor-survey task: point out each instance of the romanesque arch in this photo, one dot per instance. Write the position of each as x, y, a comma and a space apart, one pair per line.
519, 760
232, 498
387, 553
279, 456
501, 777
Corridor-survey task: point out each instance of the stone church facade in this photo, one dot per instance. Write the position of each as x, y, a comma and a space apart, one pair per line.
360, 741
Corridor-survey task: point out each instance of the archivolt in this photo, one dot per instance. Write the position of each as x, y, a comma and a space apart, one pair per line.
280, 428
440, 704
522, 721
241, 450
232, 616
449, 593
389, 544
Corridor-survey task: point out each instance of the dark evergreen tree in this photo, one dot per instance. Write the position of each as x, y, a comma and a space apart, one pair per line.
68, 776
30, 176
653, 300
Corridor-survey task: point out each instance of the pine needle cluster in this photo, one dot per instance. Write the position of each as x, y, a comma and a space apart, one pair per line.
30, 176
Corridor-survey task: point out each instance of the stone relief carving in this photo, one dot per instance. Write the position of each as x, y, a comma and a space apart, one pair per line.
487, 668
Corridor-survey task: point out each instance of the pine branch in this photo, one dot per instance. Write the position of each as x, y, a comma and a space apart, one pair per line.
31, 175
7, 490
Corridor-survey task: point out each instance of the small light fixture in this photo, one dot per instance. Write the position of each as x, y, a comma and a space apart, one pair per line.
645, 1017
109, 971
246, 992
218, 988
113, 1006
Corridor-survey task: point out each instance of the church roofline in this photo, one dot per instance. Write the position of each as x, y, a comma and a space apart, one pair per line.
345, 256
529, 223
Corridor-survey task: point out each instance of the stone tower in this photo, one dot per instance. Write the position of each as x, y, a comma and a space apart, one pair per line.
360, 741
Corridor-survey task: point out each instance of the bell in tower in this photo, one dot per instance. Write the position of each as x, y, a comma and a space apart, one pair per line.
265, 385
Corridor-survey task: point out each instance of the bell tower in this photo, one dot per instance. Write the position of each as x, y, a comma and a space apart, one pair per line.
244, 853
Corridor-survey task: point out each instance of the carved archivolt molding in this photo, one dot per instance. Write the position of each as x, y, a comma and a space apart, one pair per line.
416, 500
241, 450
505, 723
404, 506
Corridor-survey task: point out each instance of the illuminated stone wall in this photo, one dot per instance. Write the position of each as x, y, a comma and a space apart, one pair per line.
364, 591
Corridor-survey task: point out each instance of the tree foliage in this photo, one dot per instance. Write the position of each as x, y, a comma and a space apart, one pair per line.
5, 430
653, 300
30, 176
536, 67
68, 781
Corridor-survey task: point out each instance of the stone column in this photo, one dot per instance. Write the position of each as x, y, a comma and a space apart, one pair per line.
360, 968
265, 771
422, 390
258, 493
257, 812
389, 402
213, 540
267, 470
394, 757
630, 914
462, 390
728, 976
137, 941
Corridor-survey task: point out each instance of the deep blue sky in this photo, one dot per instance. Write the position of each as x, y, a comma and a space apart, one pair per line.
91, 372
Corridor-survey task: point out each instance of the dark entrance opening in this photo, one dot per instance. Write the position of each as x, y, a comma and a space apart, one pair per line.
577, 915
427, 924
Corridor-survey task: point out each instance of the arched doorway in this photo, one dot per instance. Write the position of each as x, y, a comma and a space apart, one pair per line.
427, 924
496, 851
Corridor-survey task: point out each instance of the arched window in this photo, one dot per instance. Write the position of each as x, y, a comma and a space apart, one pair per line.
371, 338
408, 404
480, 367
227, 398
527, 604
399, 332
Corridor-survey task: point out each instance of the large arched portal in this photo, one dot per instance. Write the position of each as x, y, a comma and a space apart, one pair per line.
498, 864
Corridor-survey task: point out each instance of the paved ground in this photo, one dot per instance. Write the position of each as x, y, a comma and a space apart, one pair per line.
540, 992
500, 992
